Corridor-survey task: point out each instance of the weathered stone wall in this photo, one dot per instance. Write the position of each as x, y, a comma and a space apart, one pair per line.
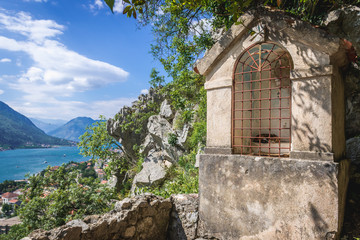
245, 197
184, 217
142, 217
145, 217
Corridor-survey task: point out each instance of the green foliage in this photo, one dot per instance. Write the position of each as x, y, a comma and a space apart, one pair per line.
110, 3
16, 232
97, 143
183, 178
55, 197
173, 139
156, 80
136, 121
7, 209
10, 186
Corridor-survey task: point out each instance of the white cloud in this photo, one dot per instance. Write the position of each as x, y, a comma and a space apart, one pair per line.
203, 25
56, 71
144, 91
35, 30
98, 4
1, 91
67, 110
119, 6
5, 60
35, 0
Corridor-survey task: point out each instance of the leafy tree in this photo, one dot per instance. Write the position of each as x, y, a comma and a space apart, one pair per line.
55, 197
16, 232
10, 186
98, 144
156, 80
7, 209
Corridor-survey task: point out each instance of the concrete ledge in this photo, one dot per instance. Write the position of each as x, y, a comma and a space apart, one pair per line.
217, 150
247, 197
318, 156
299, 74
218, 83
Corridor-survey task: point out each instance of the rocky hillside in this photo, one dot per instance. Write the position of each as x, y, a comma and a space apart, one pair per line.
18, 131
158, 133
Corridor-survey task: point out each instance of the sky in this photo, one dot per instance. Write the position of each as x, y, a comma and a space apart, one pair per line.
61, 59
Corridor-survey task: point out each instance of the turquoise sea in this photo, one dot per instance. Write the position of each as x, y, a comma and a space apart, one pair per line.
14, 164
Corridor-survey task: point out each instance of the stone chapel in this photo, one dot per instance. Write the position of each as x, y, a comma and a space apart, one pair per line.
274, 166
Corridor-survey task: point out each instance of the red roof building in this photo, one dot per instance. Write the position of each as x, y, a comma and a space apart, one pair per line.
15, 201
6, 197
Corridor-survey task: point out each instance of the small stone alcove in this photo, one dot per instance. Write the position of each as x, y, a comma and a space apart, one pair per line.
261, 101
273, 166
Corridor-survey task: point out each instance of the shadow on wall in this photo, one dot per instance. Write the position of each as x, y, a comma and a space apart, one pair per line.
320, 224
312, 95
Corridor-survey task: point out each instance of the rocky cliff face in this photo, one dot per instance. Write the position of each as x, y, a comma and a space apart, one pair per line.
159, 136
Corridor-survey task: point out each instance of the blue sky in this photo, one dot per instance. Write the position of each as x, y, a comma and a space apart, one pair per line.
60, 59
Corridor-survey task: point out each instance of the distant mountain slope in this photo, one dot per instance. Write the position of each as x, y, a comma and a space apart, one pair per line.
18, 131
46, 126
73, 129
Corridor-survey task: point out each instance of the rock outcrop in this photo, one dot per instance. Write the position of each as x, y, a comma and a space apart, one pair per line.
352, 95
129, 137
161, 139
142, 217
353, 150
345, 23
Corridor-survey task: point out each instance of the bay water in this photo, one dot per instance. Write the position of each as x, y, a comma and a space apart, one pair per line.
14, 164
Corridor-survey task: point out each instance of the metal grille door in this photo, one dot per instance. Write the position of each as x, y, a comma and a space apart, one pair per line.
261, 120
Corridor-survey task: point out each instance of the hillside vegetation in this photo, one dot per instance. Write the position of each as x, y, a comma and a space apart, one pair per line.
17, 131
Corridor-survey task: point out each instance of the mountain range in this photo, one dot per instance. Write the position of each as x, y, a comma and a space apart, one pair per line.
73, 129
17, 131
47, 125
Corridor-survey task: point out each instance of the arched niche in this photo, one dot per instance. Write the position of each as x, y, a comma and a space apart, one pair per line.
261, 101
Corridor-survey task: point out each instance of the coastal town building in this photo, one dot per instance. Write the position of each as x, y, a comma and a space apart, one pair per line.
18, 192
8, 196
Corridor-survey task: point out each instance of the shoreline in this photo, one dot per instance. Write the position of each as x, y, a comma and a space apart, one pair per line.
36, 147
16, 164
